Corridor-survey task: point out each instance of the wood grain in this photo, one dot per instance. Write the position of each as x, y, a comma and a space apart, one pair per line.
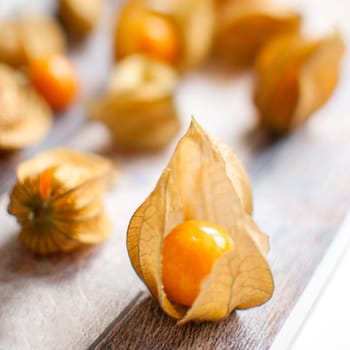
93, 298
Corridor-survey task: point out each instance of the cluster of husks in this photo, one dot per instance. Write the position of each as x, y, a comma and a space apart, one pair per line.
204, 180
154, 41
138, 104
58, 196
25, 117
244, 33
295, 75
58, 200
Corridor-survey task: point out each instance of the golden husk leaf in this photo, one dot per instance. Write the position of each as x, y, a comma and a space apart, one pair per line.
244, 26
138, 105
80, 16
195, 20
58, 200
25, 118
296, 76
203, 181
28, 37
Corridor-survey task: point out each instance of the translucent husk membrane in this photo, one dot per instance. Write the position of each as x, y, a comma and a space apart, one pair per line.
58, 200
140, 30
138, 105
195, 21
25, 118
244, 26
204, 180
295, 77
25, 38
80, 16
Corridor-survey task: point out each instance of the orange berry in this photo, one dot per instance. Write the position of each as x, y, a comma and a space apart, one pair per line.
55, 78
142, 31
158, 38
46, 182
189, 253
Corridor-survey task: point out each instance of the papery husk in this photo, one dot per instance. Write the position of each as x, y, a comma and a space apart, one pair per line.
80, 16
195, 20
72, 214
25, 118
26, 38
295, 77
138, 106
200, 183
236, 172
244, 26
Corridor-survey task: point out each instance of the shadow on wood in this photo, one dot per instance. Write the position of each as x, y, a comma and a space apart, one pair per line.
258, 140
147, 327
18, 262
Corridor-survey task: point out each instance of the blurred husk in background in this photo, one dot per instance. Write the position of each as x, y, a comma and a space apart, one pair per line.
28, 37
80, 17
187, 25
138, 105
244, 26
296, 75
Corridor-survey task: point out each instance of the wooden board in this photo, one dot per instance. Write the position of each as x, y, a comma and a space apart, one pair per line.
93, 298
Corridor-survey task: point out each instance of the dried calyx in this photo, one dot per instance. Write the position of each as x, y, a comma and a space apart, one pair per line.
58, 200
25, 118
195, 22
138, 106
204, 180
28, 37
244, 26
296, 75
140, 30
80, 16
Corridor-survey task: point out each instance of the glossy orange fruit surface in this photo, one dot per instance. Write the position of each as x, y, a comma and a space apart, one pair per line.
56, 79
140, 31
189, 253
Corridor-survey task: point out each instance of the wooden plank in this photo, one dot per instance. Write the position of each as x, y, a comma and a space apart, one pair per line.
324, 290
